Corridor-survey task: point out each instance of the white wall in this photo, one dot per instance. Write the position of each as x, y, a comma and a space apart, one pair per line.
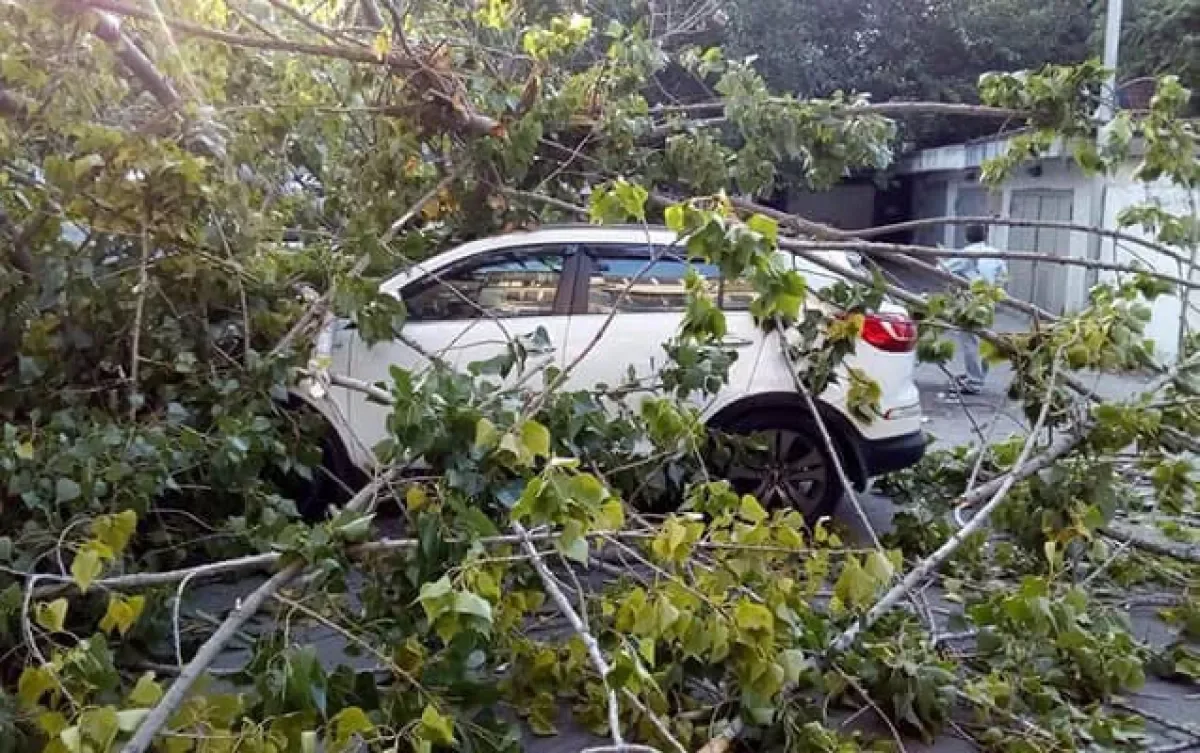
1054, 175
1121, 191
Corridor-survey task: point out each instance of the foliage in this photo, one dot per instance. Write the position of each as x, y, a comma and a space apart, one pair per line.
899, 49
170, 201
1159, 37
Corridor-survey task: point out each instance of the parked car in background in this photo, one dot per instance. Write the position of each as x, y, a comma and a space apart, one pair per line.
567, 281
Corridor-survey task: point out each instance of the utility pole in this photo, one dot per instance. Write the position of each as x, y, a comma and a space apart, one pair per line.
1112, 48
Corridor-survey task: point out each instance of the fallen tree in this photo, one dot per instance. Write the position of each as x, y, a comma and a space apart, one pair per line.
185, 205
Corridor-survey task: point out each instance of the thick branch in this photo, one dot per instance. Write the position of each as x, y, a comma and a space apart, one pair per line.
589, 641
143, 737
878, 108
1103, 232
108, 28
945, 275
188, 28
888, 250
1136, 536
828, 232
997, 489
134, 581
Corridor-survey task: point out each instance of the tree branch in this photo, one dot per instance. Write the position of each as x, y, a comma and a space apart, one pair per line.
998, 489
143, 737
316, 309
1103, 232
826, 438
877, 108
108, 28
890, 250
589, 641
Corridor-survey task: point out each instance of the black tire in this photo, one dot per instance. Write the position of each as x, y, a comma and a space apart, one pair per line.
785, 463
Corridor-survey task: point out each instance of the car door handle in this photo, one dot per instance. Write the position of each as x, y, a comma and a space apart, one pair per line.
736, 342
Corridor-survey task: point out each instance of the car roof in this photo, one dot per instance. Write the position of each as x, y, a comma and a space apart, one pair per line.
654, 235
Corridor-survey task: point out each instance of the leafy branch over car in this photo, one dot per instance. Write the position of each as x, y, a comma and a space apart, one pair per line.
278, 282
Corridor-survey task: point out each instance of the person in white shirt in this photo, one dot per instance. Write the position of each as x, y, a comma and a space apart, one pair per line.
992, 270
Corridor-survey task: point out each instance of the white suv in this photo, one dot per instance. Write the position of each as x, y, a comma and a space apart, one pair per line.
566, 281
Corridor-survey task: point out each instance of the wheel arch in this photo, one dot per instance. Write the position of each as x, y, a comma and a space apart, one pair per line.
843, 433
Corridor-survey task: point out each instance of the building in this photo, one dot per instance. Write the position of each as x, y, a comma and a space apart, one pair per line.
944, 181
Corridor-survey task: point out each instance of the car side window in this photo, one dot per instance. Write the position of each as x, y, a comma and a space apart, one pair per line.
630, 280
659, 286
512, 285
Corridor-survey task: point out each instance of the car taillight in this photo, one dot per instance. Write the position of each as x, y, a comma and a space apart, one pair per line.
893, 333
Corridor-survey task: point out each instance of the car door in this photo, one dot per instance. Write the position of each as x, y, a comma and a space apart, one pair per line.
467, 312
645, 286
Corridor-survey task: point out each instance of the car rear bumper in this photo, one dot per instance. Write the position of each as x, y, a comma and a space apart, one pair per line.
880, 456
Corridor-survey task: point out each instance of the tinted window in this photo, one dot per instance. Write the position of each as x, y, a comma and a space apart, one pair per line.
508, 286
656, 285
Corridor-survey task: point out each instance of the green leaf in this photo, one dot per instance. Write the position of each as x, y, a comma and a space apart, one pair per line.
466, 602
485, 433
750, 510
100, 727
764, 226
435, 727
535, 438
122, 613
72, 739
879, 567
793, 664
611, 516
146, 692
436, 597
51, 616
755, 618
415, 498
632, 198
587, 489
115, 530
576, 549
129, 719
86, 567
349, 722
674, 217
35, 681
66, 490
854, 587
24, 451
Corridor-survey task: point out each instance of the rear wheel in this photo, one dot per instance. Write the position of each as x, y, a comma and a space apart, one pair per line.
783, 463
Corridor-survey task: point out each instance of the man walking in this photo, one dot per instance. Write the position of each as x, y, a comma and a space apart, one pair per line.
991, 270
